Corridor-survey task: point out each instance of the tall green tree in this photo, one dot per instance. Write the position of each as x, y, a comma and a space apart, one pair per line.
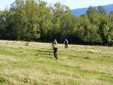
101, 10
5, 21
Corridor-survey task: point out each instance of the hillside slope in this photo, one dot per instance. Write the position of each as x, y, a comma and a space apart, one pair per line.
32, 63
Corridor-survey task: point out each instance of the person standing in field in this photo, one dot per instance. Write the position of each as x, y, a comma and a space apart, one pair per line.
66, 43
54, 45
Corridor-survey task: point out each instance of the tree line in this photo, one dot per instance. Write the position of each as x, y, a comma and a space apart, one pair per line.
34, 20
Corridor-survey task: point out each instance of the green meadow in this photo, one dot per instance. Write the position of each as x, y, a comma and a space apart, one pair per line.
32, 63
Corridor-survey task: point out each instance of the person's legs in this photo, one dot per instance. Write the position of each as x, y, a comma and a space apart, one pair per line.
66, 46
55, 53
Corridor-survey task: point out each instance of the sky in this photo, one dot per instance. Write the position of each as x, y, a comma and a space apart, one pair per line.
73, 4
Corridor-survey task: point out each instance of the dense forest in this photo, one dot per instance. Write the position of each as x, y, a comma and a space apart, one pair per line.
34, 20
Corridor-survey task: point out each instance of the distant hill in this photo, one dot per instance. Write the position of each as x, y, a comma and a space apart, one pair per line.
80, 11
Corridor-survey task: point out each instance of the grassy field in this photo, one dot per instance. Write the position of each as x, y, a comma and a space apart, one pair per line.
32, 63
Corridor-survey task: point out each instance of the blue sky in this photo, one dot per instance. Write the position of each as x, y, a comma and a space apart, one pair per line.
73, 4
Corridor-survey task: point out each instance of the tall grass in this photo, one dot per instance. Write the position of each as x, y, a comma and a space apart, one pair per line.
32, 63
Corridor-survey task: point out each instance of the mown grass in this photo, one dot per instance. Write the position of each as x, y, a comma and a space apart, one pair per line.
32, 63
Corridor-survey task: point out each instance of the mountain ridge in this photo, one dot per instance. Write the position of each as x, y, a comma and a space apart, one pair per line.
80, 11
